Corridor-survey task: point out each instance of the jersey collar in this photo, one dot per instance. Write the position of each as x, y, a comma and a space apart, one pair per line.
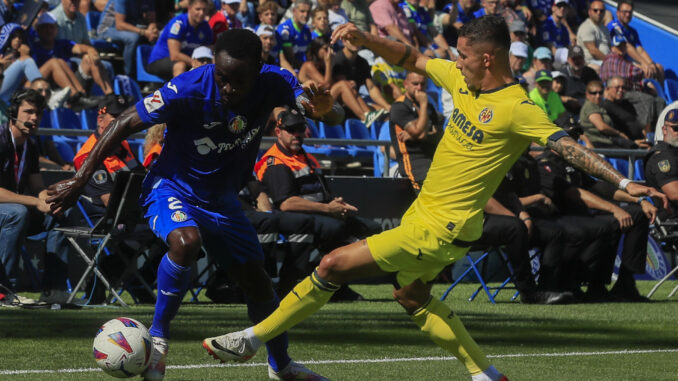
496, 88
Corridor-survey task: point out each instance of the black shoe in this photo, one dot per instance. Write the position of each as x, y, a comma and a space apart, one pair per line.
598, 295
345, 294
546, 297
225, 293
628, 295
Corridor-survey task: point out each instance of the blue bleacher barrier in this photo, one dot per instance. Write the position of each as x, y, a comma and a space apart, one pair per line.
46, 121
384, 134
671, 89
621, 165
323, 149
125, 85
143, 52
639, 170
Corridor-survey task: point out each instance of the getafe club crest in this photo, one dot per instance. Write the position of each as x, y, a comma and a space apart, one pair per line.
664, 166
237, 124
179, 216
485, 116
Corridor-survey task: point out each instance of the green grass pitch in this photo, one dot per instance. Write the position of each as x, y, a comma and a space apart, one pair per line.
375, 340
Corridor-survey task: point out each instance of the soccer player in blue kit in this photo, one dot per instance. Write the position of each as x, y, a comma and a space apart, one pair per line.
215, 115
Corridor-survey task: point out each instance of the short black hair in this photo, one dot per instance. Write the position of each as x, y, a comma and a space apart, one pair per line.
490, 28
29, 95
629, 2
191, 2
240, 44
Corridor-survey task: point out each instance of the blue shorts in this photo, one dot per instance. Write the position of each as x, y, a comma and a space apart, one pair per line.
226, 233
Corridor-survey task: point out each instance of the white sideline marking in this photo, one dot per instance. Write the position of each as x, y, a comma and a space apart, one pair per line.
364, 361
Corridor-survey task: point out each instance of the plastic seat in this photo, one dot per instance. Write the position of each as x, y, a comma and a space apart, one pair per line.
385, 135
125, 85
143, 52
88, 119
92, 20
337, 132
64, 118
321, 149
658, 86
671, 90
355, 129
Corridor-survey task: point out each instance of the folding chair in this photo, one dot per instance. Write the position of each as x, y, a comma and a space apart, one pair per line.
123, 210
669, 241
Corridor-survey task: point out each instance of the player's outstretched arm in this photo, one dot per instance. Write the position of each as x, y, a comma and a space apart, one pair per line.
64, 194
589, 162
393, 52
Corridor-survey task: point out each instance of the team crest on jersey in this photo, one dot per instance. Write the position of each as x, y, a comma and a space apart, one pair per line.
664, 166
179, 216
285, 33
100, 176
237, 124
153, 102
485, 116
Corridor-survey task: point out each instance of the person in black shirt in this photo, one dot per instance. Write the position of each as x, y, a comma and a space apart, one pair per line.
623, 114
661, 164
23, 210
416, 129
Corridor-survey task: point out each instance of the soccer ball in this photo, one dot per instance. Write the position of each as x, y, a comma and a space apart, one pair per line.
122, 347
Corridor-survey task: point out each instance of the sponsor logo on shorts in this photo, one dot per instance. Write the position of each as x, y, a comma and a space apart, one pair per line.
179, 216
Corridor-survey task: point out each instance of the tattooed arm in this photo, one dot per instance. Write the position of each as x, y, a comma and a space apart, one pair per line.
589, 162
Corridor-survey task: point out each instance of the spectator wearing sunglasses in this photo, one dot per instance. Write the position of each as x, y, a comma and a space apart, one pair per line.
597, 123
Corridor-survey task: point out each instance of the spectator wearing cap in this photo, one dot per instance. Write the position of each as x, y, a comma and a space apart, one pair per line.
52, 55
661, 166
559, 85
100, 186
517, 57
554, 31
226, 18
171, 55
593, 36
295, 184
617, 64
201, 55
542, 59
621, 25
266, 34
294, 36
125, 22
544, 96
578, 75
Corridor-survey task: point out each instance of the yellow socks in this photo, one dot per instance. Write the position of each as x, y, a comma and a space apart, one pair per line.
445, 329
305, 299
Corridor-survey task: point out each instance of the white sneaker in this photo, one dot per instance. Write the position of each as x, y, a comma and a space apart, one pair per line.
373, 116
156, 368
58, 98
230, 347
295, 371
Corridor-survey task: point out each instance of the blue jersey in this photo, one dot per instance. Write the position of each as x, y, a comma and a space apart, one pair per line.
417, 16
549, 33
179, 29
62, 49
209, 151
289, 78
288, 34
462, 16
632, 38
543, 6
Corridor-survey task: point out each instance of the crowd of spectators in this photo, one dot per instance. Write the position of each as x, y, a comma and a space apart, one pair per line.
579, 62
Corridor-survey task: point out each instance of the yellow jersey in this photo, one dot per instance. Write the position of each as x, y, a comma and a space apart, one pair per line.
485, 135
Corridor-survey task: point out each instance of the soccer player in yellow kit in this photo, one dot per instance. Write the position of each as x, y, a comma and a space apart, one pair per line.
492, 124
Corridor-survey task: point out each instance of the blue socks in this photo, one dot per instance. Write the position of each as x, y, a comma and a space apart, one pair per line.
172, 285
276, 347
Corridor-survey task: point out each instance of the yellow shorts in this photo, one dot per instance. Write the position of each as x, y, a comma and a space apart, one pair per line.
413, 251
